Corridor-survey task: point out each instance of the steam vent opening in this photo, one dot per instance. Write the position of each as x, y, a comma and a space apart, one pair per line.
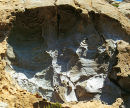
59, 52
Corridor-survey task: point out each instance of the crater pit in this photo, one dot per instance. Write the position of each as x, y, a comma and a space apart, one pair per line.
62, 55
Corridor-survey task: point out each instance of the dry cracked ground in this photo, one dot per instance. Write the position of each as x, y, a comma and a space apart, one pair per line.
75, 52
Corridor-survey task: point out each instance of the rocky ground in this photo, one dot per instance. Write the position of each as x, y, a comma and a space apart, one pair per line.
64, 51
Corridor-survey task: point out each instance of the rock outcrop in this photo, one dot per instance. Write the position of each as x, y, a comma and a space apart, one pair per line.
64, 50
125, 8
128, 1
93, 104
11, 94
121, 71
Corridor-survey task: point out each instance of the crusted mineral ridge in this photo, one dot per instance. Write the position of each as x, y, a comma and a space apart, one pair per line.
60, 49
